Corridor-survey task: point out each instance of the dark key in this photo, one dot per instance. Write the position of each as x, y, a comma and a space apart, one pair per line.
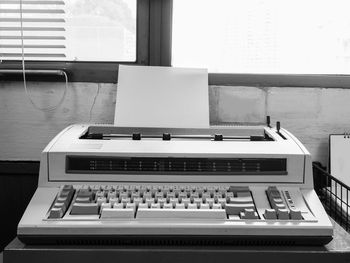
56, 212
295, 214
236, 189
85, 193
236, 209
68, 187
84, 209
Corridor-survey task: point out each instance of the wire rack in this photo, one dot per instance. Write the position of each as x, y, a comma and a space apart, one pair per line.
334, 195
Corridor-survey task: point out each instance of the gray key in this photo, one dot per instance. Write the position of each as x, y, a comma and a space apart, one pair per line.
112, 194
197, 201
85, 193
84, 209
105, 205
159, 195
222, 201
167, 206
204, 206
113, 200
235, 209
173, 201
283, 214
170, 195
101, 200
295, 214
194, 195
237, 189
182, 195
65, 193
182, 213
192, 206
68, 187
149, 201
117, 213
270, 214
241, 200
229, 194
56, 212
131, 206
82, 200
123, 195
217, 195
125, 200
155, 206
249, 214
147, 195
161, 201
210, 201
278, 206
243, 194
180, 206
143, 205
137, 200
216, 206
100, 194
186, 201
61, 205
206, 195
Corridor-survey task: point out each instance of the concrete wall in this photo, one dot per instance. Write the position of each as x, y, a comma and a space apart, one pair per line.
309, 113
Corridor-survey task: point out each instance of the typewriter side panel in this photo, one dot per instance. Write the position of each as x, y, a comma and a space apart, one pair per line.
308, 176
37, 209
44, 172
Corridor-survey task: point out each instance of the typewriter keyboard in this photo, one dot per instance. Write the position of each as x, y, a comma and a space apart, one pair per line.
183, 202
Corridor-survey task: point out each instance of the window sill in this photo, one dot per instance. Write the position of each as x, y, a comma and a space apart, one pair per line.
280, 80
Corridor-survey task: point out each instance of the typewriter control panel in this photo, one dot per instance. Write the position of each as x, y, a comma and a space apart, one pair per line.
110, 202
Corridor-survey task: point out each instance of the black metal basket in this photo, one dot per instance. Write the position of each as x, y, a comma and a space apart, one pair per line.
334, 195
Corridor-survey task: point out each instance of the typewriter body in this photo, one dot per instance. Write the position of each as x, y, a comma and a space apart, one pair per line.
222, 185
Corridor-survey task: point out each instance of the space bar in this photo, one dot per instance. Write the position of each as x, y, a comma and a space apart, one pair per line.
182, 213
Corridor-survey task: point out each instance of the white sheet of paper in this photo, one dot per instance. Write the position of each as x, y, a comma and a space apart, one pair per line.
340, 158
162, 97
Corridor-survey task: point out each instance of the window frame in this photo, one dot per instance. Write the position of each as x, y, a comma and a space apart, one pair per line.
90, 71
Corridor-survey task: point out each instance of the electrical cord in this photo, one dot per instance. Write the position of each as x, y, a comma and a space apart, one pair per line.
94, 101
51, 108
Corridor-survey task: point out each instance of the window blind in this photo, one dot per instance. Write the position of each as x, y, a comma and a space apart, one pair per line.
43, 25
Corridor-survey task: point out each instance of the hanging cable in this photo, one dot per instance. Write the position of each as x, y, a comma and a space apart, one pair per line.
94, 101
51, 108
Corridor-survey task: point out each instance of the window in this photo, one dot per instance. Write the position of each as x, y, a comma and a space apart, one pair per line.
279, 43
85, 38
74, 30
262, 36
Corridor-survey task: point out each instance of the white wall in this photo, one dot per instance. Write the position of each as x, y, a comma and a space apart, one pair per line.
309, 113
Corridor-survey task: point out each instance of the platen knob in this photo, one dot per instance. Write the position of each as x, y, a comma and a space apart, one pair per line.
218, 137
136, 136
166, 137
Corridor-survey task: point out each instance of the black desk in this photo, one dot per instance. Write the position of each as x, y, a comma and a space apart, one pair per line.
337, 251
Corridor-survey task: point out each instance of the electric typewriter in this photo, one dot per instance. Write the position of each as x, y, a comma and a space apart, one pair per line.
222, 185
